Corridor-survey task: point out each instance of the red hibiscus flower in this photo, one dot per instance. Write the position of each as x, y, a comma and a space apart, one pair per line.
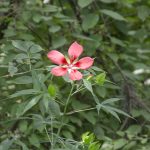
70, 65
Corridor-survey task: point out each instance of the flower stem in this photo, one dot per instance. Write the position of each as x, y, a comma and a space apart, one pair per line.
68, 99
65, 109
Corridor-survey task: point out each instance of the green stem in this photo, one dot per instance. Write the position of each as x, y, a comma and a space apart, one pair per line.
48, 135
80, 89
76, 111
68, 99
52, 132
65, 109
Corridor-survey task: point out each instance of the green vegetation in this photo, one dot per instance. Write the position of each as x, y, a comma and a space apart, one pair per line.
108, 109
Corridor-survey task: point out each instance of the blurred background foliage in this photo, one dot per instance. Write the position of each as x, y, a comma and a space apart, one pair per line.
114, 32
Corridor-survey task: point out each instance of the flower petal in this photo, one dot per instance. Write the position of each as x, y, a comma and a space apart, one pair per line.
75, 50
56, 57
84, 63
75, 75
58, 71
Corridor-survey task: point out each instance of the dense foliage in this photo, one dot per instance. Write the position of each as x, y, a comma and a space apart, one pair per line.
108, 109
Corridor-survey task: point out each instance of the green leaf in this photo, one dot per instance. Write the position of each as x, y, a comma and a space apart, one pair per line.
113, 14
24, 147
82, 37
20, 57
54, 108
117, 41
134, 130
36, 81
54, 29
23, 125
44, 103
111, 100
118, 111
99, 132
90, 21
136, 113
76, 120
24, 92
35, 48
113, 56
6, 144
108, 1
84, 3
112, 112
58, 42
98, 107
67, 134
22, 45
96, 68
145, 114
17, 109
100, 79
143, 12
38, 122
109, 85
119, 143
79, 105
94, 146
50, 8
26, 46
131, 145
34, 140
88, 85
101, 91
12, 69
23, 80
9, 33
30, 104
90, 117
